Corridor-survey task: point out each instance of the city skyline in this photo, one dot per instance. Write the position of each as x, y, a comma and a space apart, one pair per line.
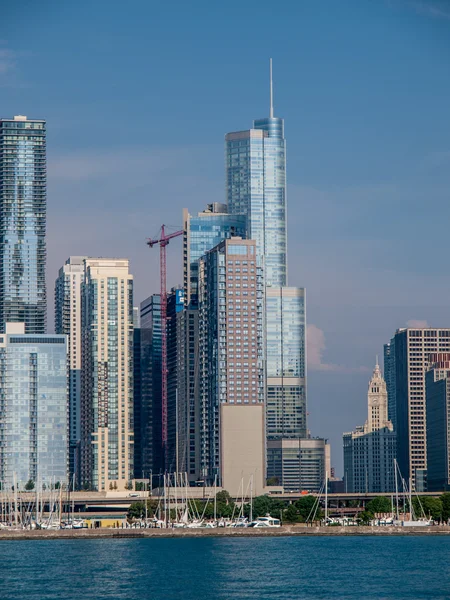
371, 157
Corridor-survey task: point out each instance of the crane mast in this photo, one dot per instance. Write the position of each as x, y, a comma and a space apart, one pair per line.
163, 242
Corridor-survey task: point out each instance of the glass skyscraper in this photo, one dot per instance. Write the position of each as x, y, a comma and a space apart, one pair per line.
256, 188
33, 408
22, 223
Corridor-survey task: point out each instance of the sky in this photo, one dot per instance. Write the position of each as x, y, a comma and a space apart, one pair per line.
138, 97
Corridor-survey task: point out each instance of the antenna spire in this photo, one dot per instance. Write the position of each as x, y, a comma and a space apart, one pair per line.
271, 91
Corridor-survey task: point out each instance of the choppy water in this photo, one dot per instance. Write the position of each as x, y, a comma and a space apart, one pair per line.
226, 569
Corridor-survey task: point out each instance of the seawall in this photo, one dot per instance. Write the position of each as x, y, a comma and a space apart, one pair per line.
287, 530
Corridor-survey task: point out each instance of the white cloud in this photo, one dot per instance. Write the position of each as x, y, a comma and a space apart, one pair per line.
315, 350
417, 323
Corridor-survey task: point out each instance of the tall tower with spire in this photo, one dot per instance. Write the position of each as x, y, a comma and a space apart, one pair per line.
369, 451
256, 188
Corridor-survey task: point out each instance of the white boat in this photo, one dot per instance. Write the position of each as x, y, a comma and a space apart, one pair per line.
266, 521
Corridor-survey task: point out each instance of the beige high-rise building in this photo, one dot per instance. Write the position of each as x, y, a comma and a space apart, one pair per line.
107, 374
369, 451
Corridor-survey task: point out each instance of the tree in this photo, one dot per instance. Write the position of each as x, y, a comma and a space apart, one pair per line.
136, 510
380, 504
273, 481
29, 486
445, 499
428, 506
57, 485
291, 514
305, 507
110, 485
115, 485
365, 517
223, 496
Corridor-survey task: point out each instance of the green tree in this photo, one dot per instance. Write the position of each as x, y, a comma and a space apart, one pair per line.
115, 485
306, 508
110, 485
223, 496
428, 505
365, 517
291, 514
445, 499
29, 486
380, 504
273, 481
136, 511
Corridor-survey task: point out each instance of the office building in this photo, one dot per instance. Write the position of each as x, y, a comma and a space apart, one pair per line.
68, 322
437, 390
23, 223
137, 395
301, 464
389, 376
33, 408
202, 233
231, 350
370, 450
413, 347
107, 374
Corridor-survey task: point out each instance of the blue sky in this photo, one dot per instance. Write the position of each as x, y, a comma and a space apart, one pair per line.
138, 97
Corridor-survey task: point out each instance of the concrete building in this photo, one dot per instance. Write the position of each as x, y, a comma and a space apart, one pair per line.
389, 376
412, 349
68, 322
437, 389
107, 374
231, 365
33, 408
301, 464
139, 472
23, 215
369, 452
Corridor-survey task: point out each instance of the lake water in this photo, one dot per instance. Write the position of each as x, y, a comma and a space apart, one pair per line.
226, 569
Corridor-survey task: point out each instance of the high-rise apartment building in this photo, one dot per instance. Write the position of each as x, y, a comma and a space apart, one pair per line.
202, 233
437, 391
413, 347
107, 374
33, 408
68, 322
369, 452
23, 223
152, 455
231, 365
139, 472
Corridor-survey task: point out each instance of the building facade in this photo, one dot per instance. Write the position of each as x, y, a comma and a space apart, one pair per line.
68, 322
413, 348
201, 234
33, 408
437, 391
232, 378
370, 451
301, 464
23, 223
389, 376
107, 374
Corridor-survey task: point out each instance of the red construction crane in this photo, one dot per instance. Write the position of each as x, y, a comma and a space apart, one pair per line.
163, 241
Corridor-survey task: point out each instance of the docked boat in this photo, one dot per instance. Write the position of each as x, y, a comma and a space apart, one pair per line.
266, 521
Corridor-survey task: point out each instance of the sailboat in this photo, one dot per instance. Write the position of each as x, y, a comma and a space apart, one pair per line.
413, 521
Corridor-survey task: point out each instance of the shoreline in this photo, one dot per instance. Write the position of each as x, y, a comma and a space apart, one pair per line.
285, 531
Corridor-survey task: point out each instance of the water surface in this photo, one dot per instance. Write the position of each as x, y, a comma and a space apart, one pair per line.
226, 569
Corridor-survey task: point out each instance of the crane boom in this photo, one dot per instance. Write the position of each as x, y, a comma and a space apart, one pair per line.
163, 242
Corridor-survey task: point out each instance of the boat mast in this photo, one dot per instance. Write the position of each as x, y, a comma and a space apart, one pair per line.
251, 498
326, 497
215, 499
396, 489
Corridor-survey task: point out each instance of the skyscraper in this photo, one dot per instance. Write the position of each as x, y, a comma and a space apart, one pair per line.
23, 223
33, 408
107, 374
437, 388
413, 348
68, 322
369, 452
256, 187
231, 365
389, 376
